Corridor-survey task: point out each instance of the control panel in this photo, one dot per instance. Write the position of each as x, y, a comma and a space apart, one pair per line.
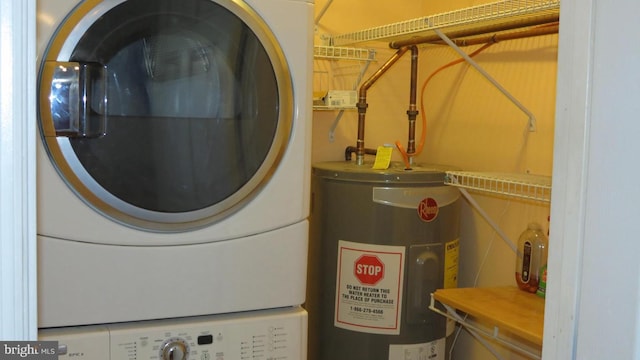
278, 334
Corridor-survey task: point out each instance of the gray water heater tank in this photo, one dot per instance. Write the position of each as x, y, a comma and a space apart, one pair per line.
381, 241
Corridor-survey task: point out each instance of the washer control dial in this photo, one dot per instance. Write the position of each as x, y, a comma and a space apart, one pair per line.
174, 349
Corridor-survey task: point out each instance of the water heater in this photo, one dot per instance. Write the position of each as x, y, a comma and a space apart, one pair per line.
381, 241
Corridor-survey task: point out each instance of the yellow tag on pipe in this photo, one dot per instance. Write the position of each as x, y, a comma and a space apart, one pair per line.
383, 158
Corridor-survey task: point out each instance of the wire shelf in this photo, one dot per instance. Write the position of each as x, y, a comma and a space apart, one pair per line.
476, 17
343, 53
333, 108
525, 186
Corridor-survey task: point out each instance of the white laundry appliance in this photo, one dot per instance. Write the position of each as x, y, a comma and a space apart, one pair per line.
173, 167
260, 335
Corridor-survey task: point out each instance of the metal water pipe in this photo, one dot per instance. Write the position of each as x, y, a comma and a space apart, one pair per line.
362, 101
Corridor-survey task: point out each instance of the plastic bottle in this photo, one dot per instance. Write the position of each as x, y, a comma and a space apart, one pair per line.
542, 285
532, 256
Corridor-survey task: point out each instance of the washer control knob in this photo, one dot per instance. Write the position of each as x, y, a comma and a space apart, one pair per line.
175, 349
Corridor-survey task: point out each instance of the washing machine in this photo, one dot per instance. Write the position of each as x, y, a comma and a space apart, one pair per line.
264, 334
173, 168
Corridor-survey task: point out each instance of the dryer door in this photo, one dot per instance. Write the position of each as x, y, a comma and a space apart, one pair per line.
165, 115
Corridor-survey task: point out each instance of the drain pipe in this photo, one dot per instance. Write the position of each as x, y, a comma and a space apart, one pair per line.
362, 101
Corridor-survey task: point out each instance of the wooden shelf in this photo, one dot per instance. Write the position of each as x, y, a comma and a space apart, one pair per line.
507, 308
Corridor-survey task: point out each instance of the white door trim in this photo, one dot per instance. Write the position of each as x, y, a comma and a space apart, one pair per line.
570, 162
593, 293
18, 298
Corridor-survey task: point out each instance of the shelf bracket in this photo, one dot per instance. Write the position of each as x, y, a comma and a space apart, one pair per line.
493, 225
324, 9
480, 334
334, 125
468, 59
487, 218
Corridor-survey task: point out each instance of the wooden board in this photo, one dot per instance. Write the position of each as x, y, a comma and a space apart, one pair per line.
508, 308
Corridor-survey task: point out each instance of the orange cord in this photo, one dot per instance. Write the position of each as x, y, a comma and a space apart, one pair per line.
423, 134
405, 156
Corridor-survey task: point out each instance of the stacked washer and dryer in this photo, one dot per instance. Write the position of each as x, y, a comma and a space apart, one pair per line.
173, 177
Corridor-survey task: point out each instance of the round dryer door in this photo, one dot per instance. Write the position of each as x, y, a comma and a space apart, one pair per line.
165, 115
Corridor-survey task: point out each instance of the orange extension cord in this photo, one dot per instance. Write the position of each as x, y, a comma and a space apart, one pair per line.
423, 134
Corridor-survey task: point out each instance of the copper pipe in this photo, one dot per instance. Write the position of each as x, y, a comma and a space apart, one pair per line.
537, 31
412, 113
362, 101
533, 21
351, 149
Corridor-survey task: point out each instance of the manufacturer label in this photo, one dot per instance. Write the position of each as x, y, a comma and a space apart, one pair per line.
434, 350
451, 260
428, 209
369, 287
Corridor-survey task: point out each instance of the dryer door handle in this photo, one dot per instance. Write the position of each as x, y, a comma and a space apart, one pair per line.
73, 99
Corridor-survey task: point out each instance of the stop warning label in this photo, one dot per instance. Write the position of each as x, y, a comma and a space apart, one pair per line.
369, 287
369, 269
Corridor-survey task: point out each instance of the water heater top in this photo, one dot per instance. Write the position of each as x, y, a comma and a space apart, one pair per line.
396, 173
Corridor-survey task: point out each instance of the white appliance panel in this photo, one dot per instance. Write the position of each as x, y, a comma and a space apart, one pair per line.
135, 283
268, 334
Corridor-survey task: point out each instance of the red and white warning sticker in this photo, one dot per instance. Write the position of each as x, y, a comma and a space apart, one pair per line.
369, 287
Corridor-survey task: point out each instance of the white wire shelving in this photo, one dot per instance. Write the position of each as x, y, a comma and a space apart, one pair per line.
524, 186
464, 25
343, 53
477, 19
365, 56
333, 108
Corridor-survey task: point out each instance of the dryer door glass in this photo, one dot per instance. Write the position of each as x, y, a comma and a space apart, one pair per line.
198, 111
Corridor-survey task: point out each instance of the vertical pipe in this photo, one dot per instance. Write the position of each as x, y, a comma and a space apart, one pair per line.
362, 111
362, 101
413, 112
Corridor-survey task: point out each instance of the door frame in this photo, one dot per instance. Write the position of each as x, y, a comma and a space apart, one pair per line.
18, 299
18, 309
